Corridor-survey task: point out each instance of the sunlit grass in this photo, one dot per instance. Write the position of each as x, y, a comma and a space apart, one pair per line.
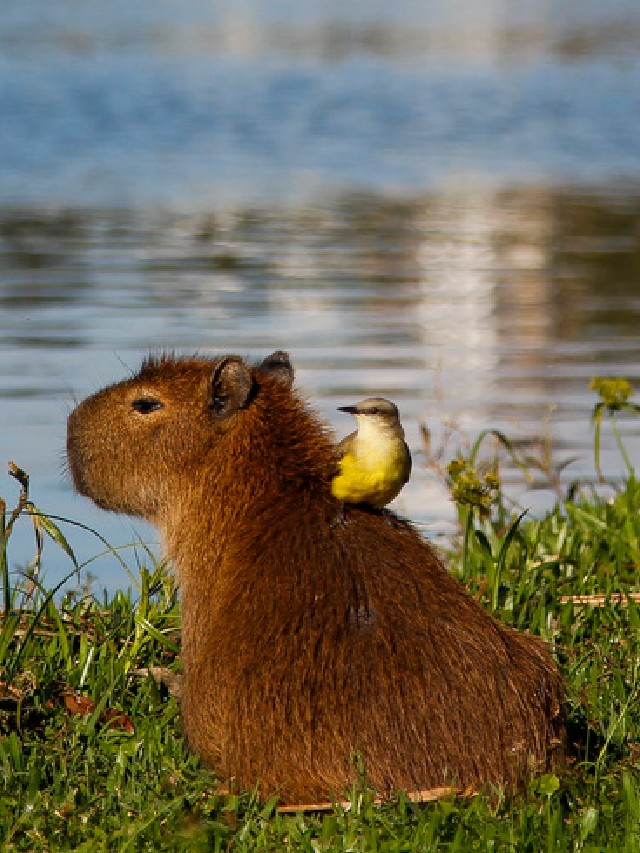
91, 751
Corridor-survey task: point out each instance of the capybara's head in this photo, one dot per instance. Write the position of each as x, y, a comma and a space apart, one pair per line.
132, 443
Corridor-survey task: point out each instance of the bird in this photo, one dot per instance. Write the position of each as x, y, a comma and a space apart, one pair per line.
374, 462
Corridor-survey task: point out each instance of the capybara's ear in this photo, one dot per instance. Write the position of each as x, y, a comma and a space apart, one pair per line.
231, 386
279, 365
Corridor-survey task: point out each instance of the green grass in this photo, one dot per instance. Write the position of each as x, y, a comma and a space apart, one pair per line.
91, 753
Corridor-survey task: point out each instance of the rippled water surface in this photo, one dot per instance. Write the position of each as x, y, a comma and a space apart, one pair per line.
432, 203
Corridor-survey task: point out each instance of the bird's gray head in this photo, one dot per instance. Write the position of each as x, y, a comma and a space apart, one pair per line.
373, 407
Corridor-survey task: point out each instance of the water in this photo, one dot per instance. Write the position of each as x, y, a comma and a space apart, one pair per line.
428, 202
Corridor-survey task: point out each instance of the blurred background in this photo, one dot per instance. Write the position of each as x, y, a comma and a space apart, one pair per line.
433, 201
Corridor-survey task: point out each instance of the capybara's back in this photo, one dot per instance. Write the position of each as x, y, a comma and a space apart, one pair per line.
307, 639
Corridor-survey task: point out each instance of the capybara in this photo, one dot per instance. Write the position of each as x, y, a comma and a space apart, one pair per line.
307, 641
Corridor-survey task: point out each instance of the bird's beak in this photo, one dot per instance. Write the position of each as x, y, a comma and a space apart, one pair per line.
350, 410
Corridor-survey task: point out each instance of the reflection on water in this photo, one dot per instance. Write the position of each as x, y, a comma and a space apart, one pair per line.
437, 202
330, 30
485, 308
188, 105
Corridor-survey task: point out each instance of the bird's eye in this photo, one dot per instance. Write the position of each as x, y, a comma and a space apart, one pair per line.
374, 411
145, 405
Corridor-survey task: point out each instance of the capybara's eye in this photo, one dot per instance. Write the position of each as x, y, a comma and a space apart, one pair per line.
145, 405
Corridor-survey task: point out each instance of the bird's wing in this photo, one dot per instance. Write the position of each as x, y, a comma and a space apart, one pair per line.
342, 448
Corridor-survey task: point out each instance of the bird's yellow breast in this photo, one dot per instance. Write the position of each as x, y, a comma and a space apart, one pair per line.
373, 476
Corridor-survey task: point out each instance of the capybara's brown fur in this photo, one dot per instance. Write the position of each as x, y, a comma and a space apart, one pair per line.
307, 640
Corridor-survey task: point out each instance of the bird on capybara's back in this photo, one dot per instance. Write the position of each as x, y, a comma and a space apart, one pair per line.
306, 642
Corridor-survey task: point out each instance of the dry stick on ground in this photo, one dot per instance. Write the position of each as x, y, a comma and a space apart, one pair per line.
600, 600
427, 795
